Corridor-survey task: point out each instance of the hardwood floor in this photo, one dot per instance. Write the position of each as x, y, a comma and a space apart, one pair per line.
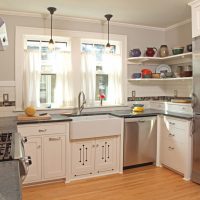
146, 183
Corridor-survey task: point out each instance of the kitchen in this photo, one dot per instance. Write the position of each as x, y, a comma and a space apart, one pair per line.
93, 139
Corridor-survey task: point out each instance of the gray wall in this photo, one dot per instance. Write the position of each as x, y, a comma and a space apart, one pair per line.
136, 37
179, 36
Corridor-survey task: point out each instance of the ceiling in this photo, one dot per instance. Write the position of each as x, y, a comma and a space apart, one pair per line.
155, 13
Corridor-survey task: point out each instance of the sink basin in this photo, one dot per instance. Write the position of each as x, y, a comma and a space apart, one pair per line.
95, 126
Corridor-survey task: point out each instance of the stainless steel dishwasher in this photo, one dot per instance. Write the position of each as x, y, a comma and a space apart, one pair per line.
140, 141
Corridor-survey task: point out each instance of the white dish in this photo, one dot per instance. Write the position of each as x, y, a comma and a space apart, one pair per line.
163, 67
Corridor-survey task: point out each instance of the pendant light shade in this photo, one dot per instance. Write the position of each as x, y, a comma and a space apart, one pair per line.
108, 17
51, 42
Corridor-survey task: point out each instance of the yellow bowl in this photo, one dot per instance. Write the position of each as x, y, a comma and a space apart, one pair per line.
138, 109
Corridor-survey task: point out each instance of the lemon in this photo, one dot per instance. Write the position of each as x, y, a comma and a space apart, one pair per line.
138, 109
30, 111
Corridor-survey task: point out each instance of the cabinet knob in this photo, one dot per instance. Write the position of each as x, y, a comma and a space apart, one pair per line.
97, 145
93, 146
39, 146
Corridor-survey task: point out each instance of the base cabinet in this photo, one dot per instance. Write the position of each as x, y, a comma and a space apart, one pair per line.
83, 153
93, 157
46, 144
176, 145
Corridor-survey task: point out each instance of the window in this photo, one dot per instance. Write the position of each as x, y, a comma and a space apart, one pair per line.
48, 70
95, 54
47, 79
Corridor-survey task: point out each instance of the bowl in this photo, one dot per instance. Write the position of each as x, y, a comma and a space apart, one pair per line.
186, 74
178, 50
189, 47
155, 75
136, 75
146, 76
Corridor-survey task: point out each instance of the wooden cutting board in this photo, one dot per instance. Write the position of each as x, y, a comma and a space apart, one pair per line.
34, 118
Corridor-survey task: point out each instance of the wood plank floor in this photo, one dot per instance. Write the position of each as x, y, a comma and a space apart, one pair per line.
146, 183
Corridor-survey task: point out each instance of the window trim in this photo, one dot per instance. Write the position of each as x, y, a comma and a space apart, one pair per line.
76, 37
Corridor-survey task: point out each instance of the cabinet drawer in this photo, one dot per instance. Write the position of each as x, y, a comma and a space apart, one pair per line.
175, 134
42, 129
175, 123
173, 155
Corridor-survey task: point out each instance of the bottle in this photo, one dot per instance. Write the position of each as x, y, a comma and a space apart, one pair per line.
164, 51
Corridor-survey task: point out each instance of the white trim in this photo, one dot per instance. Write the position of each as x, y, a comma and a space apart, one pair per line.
187, 21
194, 3
78, 19
94, 21
7, 83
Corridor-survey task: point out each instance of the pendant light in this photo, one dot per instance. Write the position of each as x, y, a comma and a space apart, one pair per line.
108, 17
51, 42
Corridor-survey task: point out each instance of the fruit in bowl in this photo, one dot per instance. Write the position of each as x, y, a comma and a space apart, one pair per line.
30, 111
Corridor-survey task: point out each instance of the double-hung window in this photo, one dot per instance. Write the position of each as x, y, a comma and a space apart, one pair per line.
101, 72
47, 74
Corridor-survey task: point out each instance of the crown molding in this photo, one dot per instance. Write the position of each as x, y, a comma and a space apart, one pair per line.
187, 21
194, 3
94, 21
77, 19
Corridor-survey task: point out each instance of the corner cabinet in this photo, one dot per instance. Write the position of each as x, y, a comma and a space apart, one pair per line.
195, 5
176, 144
46, 144
93, 157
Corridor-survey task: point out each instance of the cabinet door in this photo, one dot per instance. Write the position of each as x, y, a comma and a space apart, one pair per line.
54, 156
195, 21
82, 155
106, 155
33, 149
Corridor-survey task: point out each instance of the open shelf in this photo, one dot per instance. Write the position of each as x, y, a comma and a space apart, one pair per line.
161, 79
138, 60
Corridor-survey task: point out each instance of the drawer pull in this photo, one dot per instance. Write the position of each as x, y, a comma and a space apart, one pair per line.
170, 134
42, 130
171, 123
171, 148
54, 139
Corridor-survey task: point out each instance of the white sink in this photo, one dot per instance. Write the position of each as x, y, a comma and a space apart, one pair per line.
95, 126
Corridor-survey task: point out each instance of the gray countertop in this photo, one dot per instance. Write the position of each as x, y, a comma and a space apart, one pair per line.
150, 112
118, 113
10, 182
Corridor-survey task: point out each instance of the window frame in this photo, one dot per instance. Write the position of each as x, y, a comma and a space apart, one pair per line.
75, 37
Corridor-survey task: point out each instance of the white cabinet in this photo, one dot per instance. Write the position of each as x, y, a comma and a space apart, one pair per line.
83, 153
54, 156
195, 18
106, 155
33, 149
47, 147
175, 144
94, 156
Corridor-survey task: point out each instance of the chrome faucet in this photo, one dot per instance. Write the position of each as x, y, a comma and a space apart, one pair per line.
81, 105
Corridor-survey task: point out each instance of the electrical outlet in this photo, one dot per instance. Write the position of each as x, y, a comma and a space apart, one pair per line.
5, 97
133, 94
175, 93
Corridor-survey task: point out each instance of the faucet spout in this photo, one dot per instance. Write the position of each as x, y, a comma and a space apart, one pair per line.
81, 104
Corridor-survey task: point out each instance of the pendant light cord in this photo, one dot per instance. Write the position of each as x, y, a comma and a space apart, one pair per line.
108, 32
51, 26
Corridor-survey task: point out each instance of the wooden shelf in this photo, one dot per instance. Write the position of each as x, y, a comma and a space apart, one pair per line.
161, 79
138, 60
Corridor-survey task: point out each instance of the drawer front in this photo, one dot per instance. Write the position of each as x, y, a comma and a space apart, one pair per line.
42, 129
175, 123
173, 155
175, 134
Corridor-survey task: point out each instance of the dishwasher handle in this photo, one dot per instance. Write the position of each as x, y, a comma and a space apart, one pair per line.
140, 120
